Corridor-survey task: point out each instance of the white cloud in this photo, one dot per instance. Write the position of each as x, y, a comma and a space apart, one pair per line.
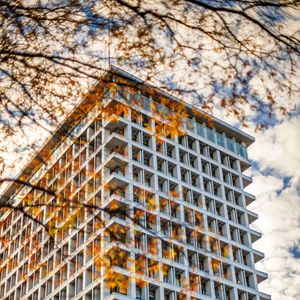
279, 148
277, 152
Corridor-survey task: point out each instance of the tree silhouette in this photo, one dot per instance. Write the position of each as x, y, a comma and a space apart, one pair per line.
66, 200
243, 52
237, 55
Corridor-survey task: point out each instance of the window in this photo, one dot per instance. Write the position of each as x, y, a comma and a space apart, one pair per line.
138, 293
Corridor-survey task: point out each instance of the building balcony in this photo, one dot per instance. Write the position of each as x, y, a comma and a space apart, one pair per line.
249, 198
117, 286
116, 233
263, 296
246, 180
118, 296
258, 256
115, 184
118, 257
115, 144
244, 165
115, 125
115, 165
261, 276
255, 235
252, 216
117, 209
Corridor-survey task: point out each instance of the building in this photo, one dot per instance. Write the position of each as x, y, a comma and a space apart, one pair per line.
166, 212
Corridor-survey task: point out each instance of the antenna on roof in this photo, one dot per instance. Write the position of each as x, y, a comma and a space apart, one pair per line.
110, 22
109, 41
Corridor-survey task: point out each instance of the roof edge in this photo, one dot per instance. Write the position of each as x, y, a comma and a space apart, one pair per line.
247, 138
82, 108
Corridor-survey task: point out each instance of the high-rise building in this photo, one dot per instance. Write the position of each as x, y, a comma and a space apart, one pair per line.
149, 203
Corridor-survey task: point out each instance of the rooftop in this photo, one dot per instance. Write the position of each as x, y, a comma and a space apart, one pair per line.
87, 103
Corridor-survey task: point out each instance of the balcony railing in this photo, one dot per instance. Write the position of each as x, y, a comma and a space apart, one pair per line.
190, 125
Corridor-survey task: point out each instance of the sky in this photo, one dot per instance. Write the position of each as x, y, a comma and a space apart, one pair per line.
275, 158
276, 185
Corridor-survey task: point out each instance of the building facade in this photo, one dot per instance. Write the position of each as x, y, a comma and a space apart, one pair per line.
150, 204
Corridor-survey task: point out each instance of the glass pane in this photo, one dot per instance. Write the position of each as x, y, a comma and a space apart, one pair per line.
190, 125
211, 135
201, 130
230, 145
243, 152
146, 103
220, 140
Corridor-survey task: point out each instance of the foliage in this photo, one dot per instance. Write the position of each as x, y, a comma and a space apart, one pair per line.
50, 208
238, 55
235, 55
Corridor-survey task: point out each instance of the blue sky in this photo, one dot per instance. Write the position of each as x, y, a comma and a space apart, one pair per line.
276, 185
275, 172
